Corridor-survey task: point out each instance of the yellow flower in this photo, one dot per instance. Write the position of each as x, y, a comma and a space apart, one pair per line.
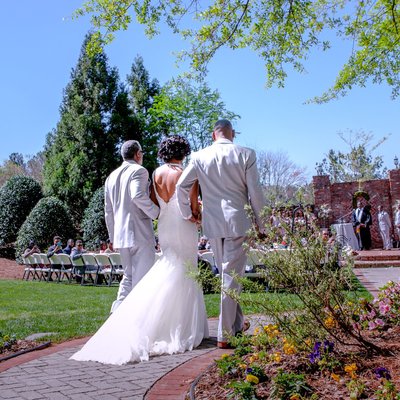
330, 322
242, 366
276, 357
295, 397
257, 330
289, 348
225, 355
351, 370
252, 379
335, 377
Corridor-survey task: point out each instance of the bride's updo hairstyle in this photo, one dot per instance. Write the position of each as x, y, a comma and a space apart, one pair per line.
173, 148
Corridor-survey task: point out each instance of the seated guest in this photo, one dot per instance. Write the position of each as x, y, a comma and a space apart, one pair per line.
56, 248
76, 253
31, 249
110, 248
70, 245
203, 245
103, 246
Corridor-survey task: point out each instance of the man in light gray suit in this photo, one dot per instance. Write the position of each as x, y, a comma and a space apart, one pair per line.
129, 213
228, 177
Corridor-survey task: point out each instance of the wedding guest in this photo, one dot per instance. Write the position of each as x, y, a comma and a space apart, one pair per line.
397, 224
203, 244
56, 248
70, 245
31, 249
103, 246
385, 227
110, 248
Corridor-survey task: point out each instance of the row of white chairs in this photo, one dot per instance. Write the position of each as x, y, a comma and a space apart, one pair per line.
61, 266
92, 266
254, 262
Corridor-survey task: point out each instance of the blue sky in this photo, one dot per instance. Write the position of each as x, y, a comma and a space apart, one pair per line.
41, 44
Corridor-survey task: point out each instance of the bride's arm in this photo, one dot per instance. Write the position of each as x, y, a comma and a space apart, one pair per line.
194, 199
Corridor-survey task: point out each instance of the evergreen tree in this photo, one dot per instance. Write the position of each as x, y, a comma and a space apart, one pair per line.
142, 91
83, 149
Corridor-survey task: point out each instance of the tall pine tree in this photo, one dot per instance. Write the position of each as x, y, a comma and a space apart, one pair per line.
141, 92
83, 149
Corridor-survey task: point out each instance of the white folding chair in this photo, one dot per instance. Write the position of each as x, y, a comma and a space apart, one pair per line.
55, 267
31, 268
78, 268
254, 261
66, 267
208, 256
91, 267
116, 263
43, 265
105, 267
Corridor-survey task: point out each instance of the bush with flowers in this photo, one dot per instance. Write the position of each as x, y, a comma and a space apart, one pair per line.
337, 345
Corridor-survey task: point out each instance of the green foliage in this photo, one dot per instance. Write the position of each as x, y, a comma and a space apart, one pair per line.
17, 198
6, 341
287, 384
50, 217
83, 149
141, 94
358, 164
190, 110
242, 390
283, 34
94, 224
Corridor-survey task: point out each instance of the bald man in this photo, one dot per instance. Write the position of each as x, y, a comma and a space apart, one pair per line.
228, 177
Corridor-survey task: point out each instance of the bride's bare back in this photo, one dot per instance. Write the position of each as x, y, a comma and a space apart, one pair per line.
165, 179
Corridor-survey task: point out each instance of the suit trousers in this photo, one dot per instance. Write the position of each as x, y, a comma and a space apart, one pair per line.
136, 262
385, 235
230, 259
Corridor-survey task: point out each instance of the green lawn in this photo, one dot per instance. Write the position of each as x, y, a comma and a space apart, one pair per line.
74, 311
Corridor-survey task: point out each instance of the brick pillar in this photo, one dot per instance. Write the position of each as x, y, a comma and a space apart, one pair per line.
322, 192
394, 185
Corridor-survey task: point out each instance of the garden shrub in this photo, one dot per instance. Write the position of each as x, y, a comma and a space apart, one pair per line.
18, 196
94, 224
50, 217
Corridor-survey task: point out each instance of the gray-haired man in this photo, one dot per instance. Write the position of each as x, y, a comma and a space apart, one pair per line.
129, 213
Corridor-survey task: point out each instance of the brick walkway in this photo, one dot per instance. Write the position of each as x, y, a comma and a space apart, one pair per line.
49, 374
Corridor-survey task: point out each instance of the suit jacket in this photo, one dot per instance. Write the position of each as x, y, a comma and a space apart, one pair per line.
128, 208
365, 218
228, 177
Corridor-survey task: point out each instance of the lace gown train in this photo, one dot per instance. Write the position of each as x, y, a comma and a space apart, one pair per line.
165, 312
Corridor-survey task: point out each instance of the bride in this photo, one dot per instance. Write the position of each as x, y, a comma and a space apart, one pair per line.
165, 312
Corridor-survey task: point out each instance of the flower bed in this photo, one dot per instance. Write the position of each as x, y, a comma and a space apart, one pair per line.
270, 365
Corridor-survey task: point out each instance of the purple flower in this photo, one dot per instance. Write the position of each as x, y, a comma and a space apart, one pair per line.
382, 372
328, 346
317, 346
249, 370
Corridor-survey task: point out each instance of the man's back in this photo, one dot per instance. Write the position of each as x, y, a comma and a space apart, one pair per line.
126, 221
228, 177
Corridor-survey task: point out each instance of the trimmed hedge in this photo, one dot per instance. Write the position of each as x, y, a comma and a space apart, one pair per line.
50, 217
18, 196
94, 224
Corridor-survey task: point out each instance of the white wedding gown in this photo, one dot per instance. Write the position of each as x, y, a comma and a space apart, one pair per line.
165, 312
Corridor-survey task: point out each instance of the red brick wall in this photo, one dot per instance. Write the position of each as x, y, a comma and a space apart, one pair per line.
339, 196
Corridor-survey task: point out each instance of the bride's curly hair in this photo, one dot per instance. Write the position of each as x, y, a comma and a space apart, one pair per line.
173, 147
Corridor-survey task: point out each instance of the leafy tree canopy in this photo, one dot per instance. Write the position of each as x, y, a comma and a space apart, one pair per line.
359, 164
50, 217
141, 94
83, 149
94, 224
282, 33
17, 198
189, 109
